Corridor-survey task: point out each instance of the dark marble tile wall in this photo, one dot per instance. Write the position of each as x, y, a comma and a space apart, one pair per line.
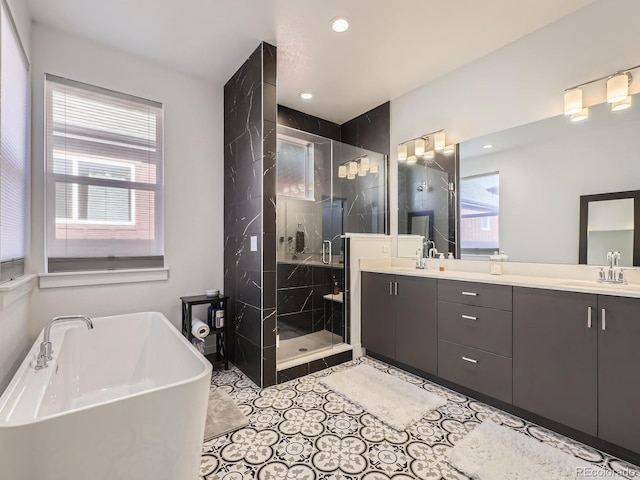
308, 123
371, 130
249, 212
301, 306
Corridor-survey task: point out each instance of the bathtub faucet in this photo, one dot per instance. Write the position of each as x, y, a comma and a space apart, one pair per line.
45, 347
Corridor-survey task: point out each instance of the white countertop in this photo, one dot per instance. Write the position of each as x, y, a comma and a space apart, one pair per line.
564, 284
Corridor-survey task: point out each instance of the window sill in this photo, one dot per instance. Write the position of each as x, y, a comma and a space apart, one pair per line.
102, 277
12, 291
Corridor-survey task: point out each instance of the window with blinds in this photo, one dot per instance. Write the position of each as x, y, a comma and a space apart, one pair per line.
14, 148
104, 179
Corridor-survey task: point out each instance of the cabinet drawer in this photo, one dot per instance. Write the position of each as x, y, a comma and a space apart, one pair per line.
475, 369
479, 327
480, 294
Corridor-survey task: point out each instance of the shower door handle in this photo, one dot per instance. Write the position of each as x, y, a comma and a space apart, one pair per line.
324, 251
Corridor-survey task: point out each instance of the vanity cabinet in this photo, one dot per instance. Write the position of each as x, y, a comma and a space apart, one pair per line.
378, 314
399, 319
555, 356
474, 336
619, 370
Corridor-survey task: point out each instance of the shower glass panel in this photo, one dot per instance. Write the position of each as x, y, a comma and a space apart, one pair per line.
315, 208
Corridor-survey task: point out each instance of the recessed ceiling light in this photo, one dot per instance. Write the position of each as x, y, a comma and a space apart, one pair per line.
306, 95
487, 146
340, 24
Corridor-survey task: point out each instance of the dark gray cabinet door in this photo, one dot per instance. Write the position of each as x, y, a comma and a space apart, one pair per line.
417, 323
555, 356
618, 367
377, 313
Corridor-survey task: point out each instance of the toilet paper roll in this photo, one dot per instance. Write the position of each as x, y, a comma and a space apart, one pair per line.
199, 329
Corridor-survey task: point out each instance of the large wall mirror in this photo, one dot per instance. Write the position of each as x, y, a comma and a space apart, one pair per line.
543, 169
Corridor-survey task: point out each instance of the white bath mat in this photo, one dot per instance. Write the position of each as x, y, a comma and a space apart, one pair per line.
393, 401
223, 415
494, 452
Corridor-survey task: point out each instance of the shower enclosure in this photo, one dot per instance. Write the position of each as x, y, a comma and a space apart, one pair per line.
325, 189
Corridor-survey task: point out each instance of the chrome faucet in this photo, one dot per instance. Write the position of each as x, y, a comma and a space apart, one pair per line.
433, 252
44, 355
614, 273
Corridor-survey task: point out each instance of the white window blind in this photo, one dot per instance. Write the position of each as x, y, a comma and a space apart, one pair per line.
104, 178
14, 148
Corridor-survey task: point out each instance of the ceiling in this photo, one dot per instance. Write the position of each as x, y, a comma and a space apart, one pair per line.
391, 48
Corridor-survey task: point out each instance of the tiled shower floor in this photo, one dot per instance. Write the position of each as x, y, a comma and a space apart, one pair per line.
301, 430
303, 345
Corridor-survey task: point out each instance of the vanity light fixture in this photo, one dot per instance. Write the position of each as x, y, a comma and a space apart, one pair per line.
617, 92
449, 150
340, 24
417, 147
359, 166
487, 146
306, 95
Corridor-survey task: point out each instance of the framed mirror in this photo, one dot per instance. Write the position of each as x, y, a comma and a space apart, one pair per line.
610, 222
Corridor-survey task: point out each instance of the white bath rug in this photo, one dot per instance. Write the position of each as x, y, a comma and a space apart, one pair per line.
494, 452
393, 401
223, 415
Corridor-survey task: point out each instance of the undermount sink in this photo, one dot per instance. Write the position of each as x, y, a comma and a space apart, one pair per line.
609, 286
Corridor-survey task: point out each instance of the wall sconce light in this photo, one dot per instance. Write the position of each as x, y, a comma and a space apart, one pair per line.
353, 168
402, 152
415, 148
364, 163
572, 101
622, 104
617, 85
580, 115
374, 169
351, 176
342, 171
439, 141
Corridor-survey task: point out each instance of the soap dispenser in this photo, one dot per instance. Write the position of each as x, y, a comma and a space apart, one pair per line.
495, 263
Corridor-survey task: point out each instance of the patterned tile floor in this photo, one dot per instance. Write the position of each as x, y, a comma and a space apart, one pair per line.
302, 430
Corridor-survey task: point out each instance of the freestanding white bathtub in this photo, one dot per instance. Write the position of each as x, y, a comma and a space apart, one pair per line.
126, 400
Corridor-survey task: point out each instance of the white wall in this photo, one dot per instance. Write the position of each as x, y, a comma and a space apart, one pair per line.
521, 82
14, 319
193, 123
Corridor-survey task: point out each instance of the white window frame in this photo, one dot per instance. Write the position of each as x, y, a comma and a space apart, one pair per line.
84, 257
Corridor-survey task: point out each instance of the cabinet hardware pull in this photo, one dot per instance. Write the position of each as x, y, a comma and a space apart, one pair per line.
471, 360
469, 317
604, 319
473, 294
396, 288
588, 317
390, 288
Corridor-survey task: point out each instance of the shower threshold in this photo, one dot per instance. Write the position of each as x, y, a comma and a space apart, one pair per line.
299, 350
